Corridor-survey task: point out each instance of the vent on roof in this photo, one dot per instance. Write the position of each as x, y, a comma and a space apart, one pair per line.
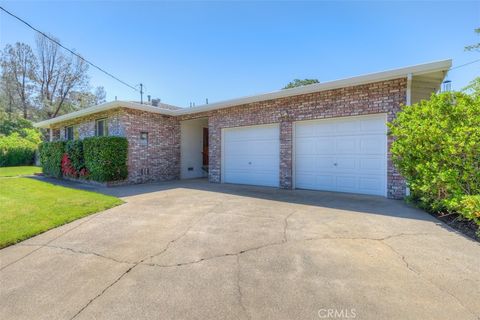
155, 102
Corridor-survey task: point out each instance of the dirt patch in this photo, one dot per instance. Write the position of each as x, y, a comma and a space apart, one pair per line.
468, 228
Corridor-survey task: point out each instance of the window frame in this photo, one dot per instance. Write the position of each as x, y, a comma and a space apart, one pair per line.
105, 127
68, 130
144, 142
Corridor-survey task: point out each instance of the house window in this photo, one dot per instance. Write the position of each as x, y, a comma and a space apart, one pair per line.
144, 138
101, 127
69, 133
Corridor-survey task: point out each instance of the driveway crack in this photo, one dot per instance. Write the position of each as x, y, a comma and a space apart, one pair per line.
87, 253
103, 291
40, 246
141, 261
239, 289
420, 275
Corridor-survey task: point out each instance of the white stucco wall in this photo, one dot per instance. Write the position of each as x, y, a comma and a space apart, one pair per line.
191, 143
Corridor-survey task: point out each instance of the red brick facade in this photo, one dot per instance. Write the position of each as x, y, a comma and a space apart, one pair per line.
160, 159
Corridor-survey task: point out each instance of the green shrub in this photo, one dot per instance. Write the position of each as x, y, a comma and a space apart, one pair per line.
437, 150
469, 207
51, 154
16, 151
106, 158
74, 150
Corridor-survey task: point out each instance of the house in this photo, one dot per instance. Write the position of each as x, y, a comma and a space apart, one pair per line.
326, 136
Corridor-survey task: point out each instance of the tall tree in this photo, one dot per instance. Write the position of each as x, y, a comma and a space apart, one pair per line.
300, 82
58, 75
18, 71
476, 46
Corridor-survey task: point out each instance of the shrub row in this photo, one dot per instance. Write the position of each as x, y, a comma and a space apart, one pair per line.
51, 154
101, 159
16, 151
18, 148
437, 150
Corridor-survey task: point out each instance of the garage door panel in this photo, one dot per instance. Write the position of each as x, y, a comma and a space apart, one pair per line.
373, 125
324, 145
346, 163
373, 144
346, 145
252, 155
372, 165
357, 145
252, 178
257, 147
246, 162
347, 127
346, 182
371, 183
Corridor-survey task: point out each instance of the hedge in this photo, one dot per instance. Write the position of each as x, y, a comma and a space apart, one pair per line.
74, 150
106, 158
51, 154
437, 150
16, 151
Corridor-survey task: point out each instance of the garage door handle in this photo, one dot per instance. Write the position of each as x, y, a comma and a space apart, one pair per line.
335, 164
249, 162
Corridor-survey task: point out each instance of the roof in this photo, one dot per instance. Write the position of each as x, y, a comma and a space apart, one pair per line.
421, 69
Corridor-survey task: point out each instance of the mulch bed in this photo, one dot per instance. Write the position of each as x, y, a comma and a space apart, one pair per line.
468, 228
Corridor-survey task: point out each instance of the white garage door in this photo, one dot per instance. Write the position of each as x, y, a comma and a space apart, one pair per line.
342, 154
251, 155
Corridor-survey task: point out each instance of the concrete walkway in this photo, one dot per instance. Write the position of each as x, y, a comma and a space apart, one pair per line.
194, 250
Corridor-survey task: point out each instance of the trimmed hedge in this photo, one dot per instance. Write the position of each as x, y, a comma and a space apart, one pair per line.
51, 154
106, 158
74, 150
16, 150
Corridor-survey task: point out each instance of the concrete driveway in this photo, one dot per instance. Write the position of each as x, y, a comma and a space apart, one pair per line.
194, 250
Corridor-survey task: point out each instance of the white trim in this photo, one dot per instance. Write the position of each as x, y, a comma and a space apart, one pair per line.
222, 155
294, 156
409, 89
431, 67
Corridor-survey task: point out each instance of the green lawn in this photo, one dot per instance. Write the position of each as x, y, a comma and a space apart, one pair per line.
19, 171
29, 207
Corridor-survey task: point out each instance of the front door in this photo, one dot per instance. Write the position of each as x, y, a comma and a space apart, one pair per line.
205, 147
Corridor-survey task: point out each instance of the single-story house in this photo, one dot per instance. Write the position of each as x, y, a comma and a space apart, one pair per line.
326, 136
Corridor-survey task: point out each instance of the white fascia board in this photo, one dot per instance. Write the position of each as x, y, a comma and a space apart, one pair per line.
100, 108
443, 65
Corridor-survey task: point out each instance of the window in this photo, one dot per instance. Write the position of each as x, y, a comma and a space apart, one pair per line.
144, 138
69, 133
101, 127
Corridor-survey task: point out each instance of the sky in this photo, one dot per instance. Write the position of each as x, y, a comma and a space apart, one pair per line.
186, 52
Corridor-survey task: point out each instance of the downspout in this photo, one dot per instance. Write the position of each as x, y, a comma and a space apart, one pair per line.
408, 103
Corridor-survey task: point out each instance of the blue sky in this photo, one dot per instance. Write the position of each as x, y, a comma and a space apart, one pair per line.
187, 51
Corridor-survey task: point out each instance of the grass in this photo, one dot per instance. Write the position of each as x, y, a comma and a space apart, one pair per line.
19, 171
29, 207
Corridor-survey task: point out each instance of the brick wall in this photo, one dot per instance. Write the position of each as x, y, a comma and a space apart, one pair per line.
156, 161
380, 97
86, 125
160, 159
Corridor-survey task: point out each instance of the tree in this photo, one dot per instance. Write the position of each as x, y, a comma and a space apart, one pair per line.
18, 69
58, 75
476, 46
300, 83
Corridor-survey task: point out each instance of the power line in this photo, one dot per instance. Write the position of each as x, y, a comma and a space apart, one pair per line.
465, 64
71, 51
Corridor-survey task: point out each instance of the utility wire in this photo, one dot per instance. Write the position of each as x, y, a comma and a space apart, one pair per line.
465, 64
71, 51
